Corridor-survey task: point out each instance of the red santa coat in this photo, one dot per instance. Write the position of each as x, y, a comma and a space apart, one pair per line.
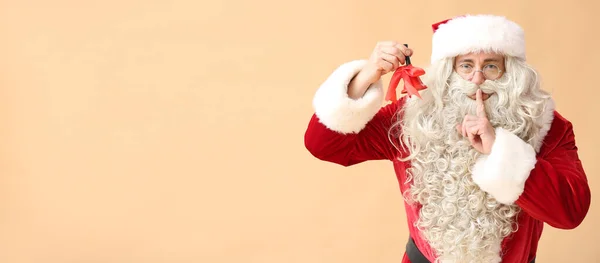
546, 179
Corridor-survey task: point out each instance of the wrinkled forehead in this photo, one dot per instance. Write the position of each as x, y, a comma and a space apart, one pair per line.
480, 57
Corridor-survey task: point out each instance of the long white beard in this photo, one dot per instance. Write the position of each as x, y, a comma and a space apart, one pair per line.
460, 221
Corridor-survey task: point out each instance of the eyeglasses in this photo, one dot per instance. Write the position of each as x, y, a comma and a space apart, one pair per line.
490, 71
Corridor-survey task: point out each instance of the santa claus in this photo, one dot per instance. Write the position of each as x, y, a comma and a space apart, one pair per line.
482, 159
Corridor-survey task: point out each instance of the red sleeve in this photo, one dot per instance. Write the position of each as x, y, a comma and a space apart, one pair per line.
557, 190
370, 143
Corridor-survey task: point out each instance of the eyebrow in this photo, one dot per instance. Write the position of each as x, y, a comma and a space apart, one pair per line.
486, 60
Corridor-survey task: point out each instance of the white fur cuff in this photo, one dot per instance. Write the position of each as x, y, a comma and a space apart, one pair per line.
502, 174
341, 113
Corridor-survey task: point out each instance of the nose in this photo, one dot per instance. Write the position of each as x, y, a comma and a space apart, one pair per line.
478, 78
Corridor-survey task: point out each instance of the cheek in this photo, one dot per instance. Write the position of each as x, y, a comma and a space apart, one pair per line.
501, 73
464, 76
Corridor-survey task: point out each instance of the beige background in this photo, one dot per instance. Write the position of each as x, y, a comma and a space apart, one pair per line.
172, 131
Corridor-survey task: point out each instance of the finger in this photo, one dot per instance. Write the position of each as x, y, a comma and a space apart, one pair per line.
394, 51
471, 123
472, 130
385, 65
480, 106
390, 43
405, 51
471, 138
459, 128
469, 117
475, 130
468, 121
391, 59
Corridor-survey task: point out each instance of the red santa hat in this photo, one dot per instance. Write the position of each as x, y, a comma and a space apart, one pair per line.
477, 33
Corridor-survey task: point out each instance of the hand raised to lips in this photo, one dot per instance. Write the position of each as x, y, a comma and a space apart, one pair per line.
478, 128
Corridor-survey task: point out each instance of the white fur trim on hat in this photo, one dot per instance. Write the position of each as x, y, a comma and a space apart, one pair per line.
476, 33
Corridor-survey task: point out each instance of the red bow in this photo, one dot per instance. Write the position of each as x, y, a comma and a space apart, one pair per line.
412, 82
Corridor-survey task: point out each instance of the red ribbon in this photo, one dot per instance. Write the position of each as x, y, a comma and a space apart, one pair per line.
412, 82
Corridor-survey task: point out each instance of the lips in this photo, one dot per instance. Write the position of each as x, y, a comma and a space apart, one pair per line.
484, 96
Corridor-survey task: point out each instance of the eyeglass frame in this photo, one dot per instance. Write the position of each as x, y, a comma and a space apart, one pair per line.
482, 72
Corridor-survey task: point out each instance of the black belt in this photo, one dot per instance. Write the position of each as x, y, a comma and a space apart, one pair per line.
415, 255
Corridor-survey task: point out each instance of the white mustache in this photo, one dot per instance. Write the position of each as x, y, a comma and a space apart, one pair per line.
469, 88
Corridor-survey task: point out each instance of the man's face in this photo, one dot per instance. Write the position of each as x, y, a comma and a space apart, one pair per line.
478, 67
